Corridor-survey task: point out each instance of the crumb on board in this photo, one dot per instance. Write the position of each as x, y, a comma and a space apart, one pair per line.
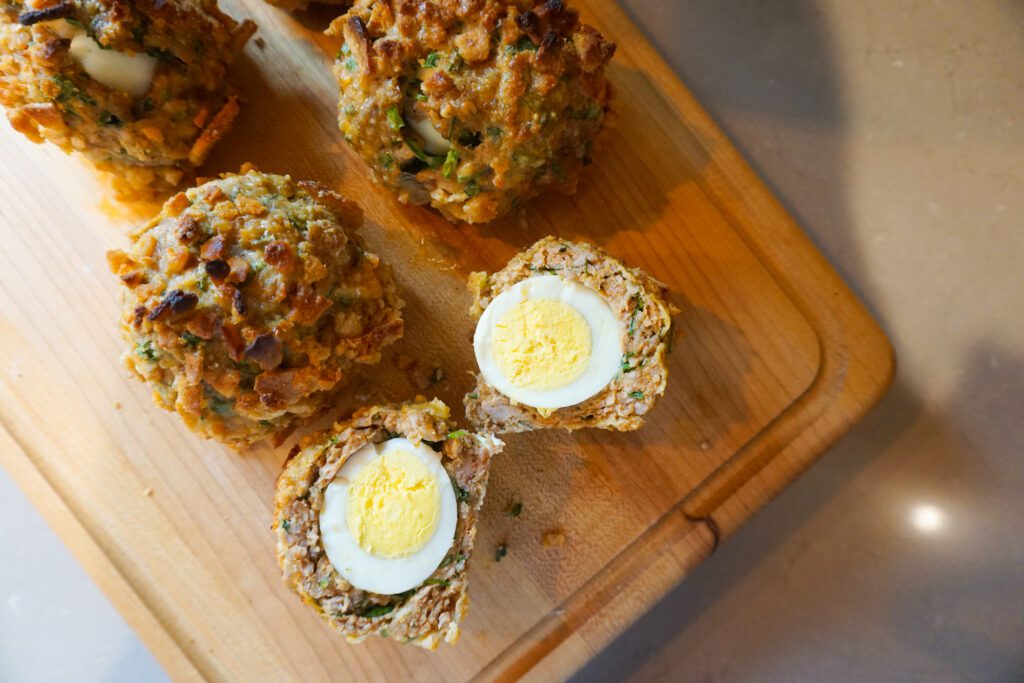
260, 43
552, 539
147, 492
117, 405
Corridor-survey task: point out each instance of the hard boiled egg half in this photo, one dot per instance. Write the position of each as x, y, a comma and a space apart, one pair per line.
389, 516
548, 343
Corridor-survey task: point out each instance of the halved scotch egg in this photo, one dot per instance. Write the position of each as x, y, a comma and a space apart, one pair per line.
568, 337
376, 520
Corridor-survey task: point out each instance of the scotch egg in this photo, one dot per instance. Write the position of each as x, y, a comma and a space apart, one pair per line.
548, 343
376, 521
389, 516
140, 89
471, 107
568, 337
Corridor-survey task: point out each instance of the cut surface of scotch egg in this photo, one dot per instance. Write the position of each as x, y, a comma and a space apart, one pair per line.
389, 516
548, 343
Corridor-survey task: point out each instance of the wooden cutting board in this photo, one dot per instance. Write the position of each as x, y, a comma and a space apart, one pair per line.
775, 359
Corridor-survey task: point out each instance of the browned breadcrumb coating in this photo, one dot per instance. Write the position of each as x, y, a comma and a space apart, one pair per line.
515, 87
247, 300
150, 142
424, 615
637, 299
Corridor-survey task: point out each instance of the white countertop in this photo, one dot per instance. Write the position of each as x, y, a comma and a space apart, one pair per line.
894, 132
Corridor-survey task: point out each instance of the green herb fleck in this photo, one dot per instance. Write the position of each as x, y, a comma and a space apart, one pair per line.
456, 63
351, 64
493, 132
638, 306
191, 340
145, 350
472, 188
147, 104
421, 97
515, 510
521, 45
501, 552
450, 162
334, 439
377, 611
108, 119
386, 160
417, 151
636, 394
345, 50
323, 583
473, 396
457, 434
286, 524
625, 365
458, 558
462, 494
219, 404
395, 119
431, 61
384, 633
69, 90
437, 582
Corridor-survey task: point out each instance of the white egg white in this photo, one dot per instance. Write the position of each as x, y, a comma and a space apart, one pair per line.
606, 333
126, 71
386, 576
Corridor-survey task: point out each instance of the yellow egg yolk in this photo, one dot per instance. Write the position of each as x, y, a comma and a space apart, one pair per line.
393, 505
542, 344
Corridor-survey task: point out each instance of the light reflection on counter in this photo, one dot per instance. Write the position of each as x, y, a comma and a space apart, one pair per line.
927, 518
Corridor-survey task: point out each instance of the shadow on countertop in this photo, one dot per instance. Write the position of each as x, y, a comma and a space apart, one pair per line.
763, 61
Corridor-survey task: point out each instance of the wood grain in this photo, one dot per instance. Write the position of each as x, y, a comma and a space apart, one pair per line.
775, 359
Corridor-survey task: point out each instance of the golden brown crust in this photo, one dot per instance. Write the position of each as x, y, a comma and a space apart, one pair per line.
516, 86
246, 301
425, 615
637, 299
